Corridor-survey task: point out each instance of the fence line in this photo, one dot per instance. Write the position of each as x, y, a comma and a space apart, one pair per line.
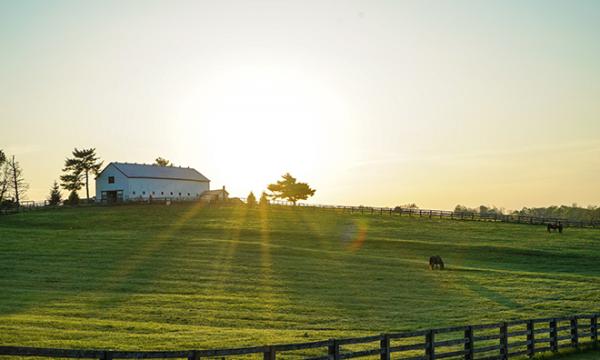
397, 211
499, 341
445, 214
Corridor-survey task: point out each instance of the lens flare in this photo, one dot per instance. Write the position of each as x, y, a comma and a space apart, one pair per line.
354, 235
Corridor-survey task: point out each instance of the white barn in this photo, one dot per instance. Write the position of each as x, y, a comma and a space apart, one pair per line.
125, 182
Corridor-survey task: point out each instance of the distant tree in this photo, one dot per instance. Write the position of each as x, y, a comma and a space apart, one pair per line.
251, 200
73, 198
55, 197
162, 162
17, 187
78, 169
4, 180
3, 177
264, 200
291, 190
409, 206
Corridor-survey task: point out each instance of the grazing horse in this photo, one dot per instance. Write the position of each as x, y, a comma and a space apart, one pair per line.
436, 262
553, 227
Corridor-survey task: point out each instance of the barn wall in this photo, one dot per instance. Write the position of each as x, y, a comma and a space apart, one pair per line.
161, 188
121, 182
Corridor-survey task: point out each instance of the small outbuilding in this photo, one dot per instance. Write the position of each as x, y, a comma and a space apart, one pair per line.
211, 196
130, 182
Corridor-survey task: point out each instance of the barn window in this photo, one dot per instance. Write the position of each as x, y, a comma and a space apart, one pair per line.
188, 194
171, 193
111, 179
134, 193
153, 193
162, 192
143, 193
179, 194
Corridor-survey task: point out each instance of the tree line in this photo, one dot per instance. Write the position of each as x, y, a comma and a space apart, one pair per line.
572, 212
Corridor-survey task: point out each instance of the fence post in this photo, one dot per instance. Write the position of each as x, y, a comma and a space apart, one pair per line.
504, 341
106, 355
384, 345
530, 339
574, 332
469, 343
594, 329
193, 355
269, 354
553, 336
430, 345
334, 350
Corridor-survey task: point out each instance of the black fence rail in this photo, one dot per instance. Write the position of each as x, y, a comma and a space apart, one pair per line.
499, 341
455, 215
396, 211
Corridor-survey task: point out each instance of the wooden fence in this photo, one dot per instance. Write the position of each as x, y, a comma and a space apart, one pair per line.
397, 211
499, 341
442, 214
455, 215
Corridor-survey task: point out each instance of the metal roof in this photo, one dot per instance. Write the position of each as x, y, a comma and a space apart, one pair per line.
159, 172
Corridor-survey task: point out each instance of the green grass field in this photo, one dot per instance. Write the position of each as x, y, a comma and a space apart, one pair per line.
158, 277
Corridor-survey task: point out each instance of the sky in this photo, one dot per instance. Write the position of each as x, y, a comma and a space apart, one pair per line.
377, 103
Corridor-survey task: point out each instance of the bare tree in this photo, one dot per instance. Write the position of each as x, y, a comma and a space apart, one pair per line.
16, 183
4, 179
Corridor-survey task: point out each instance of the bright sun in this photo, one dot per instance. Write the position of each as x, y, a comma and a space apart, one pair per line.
261, 122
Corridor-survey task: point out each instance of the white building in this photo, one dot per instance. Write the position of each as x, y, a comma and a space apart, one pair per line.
124, 182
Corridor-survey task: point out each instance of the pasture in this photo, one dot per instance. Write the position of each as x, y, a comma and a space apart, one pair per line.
156, 277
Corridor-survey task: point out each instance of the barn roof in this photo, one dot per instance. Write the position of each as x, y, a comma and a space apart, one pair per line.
159, 172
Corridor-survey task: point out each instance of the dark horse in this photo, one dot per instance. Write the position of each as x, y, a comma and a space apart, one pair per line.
553, 227
436, 262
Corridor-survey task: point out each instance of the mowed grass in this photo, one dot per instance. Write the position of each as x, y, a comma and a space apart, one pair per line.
157, 277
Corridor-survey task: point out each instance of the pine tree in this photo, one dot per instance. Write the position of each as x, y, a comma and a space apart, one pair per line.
291, 190
78, 170
251, 200
73, 198
55, 195
264, 200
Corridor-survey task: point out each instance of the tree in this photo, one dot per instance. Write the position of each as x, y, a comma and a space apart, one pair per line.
55, 195
2, 157
251, 200
4, 180
162, 162
71, 182
17, 186
78, 169
264, 200
291, 190
73, 198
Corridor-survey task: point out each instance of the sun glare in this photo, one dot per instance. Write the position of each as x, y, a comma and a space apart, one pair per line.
262, 122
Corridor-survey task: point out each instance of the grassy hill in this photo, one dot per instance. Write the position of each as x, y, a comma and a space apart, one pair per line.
158, 277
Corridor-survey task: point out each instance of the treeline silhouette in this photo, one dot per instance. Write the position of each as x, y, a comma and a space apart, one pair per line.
573, 212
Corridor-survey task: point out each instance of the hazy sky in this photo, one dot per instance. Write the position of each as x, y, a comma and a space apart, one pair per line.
371, 102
